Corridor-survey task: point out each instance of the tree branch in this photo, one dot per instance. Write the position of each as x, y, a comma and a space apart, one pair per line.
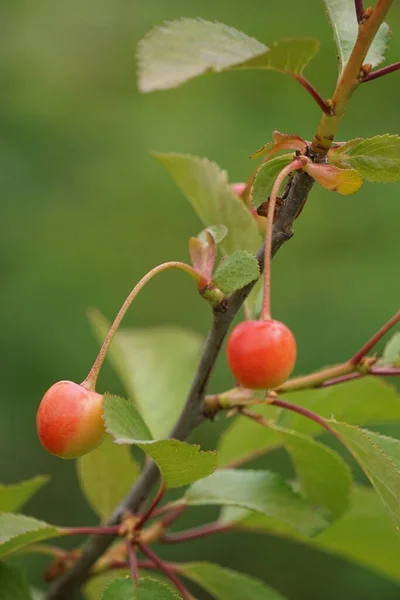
68, 585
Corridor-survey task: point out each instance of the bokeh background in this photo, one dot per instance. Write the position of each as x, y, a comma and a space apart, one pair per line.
86, 211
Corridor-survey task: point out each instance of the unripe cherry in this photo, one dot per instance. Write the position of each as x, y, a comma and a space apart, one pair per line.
261, 354
69, 420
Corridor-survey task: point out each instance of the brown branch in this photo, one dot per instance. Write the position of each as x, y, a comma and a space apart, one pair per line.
192, 415
381, 72
325, 106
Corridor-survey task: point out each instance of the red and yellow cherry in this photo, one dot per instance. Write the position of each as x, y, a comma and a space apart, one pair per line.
261, 354
69, 420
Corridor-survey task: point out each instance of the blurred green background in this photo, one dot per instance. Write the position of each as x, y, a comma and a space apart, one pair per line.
86, 211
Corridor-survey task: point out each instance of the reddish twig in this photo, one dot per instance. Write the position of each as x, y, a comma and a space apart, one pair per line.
149, 512
168, 572
195, 533
377, 371
173, 516
304, 412
358, 356
323, 104
381, 72
132, 562
359, 5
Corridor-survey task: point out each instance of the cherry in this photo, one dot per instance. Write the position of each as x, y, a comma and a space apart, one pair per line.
69, 420
261, 354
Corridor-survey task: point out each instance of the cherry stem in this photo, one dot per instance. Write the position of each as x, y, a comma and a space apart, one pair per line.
359, 5
172, 516
168, 572
324, 106
133, 562
377, 371
296, 164
381, 72
304, 412
113, 530
195, 533
91, 379
358, 356
148, 513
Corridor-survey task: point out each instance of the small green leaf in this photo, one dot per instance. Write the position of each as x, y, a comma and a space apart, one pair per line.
13, 584
342, 181
138, 354
180, 50
377, 159
179, 463
265, 178
17, 531
13, 496
148, 589
391, 353
324, 477
288, 56
366, 400
96, 584
379, 457
260, 491
364, 534
236, 271
207, 188
224, 583
342, 16
106, 475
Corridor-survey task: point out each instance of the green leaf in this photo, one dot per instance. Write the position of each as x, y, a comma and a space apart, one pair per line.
379, 457
324, 477
180, 50
377, 159
138, 354
236, 271
224, 583
207, 188
244, 439
265, 178
106, 475
95, 586
17, 531
288, 56
342, 16
13, 496
260, 491
363, 534
149, 589
179, 463
13, 584
366, 400
391, 353
342, 181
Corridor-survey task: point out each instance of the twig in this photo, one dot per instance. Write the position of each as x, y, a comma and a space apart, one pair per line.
133, 562
192, 415
323, 104
358, 356
359, 5
377, 371
112, 530
149, 512
195, 533
164, 568
381, 72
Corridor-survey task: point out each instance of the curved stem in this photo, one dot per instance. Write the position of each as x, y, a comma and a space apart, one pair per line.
91, 379
133, 562
156, 500
113, 530
324, 106
381, 72
359, 6
296, 164
358, 356
195, 533
164, 568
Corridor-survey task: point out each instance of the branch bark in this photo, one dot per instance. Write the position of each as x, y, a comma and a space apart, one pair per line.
192, 415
